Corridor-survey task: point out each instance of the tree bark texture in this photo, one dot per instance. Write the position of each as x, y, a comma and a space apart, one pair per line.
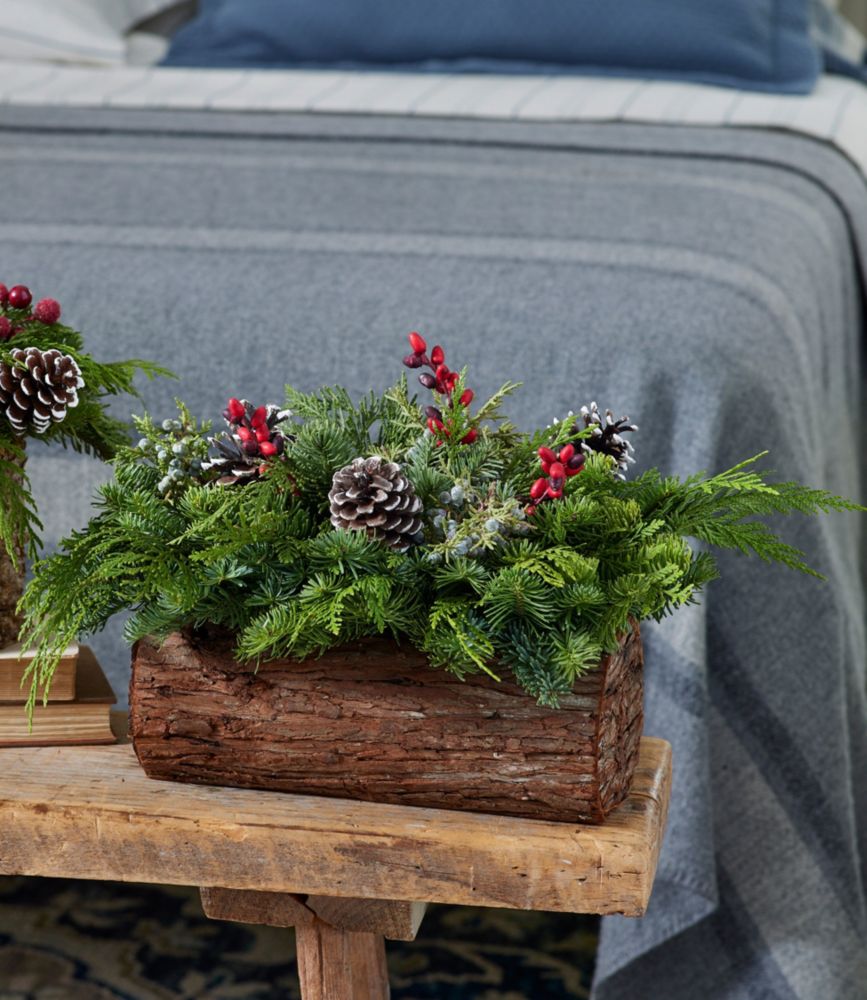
11, 582
373, 721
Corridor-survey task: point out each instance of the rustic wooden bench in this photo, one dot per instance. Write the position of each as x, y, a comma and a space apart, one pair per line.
346, 875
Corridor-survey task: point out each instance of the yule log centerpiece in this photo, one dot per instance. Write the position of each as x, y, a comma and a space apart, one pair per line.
396, 601
54, 392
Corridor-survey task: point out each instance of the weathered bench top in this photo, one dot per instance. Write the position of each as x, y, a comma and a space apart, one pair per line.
91, 813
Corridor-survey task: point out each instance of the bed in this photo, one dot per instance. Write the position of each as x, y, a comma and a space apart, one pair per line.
692, 256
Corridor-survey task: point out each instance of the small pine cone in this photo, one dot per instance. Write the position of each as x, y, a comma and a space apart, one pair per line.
38, 388
232, 463
607, 437
252, 440
373, 495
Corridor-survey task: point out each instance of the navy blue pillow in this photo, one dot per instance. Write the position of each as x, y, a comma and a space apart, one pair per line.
759, 44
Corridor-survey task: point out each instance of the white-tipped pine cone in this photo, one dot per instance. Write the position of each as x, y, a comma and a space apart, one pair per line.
38, 388
607, 436
373, 495
240, 459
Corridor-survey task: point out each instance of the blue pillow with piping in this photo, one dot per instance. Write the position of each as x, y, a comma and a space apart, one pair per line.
755, 44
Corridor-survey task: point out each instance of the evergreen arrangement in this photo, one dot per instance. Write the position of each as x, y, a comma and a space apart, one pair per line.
304, 526
50, 390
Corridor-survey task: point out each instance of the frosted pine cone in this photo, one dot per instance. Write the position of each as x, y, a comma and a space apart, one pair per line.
607, 437
373, 495
38, 388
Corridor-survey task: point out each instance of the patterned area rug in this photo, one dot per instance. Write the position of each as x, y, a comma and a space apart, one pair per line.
64, 940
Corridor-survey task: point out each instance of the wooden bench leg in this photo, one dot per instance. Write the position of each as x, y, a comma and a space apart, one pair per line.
334, 964
340, 942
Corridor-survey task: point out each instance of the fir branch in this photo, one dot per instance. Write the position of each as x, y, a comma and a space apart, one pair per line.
541, 595
320, 448
461, 575
575, 653
427, 478
516, 594
525, 651
349, 553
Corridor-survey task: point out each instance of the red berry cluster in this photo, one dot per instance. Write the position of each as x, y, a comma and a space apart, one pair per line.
557, 468
18, 299
254, 428
442, 381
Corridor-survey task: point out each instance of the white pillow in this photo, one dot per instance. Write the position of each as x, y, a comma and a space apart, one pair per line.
123, 14
88, 31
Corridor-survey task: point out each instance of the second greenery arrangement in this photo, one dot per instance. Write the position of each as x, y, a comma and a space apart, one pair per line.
490, 549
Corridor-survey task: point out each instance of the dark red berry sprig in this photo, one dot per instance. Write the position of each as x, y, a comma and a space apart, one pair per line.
17, 301
443, 381
254, 443
557, 468
254, 428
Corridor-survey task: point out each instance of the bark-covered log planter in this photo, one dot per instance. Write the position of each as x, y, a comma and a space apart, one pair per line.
373, 721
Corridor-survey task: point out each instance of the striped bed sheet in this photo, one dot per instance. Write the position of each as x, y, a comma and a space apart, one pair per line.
709, 281
836, 112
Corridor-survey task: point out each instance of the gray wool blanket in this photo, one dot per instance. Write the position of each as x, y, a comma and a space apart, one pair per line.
706, 282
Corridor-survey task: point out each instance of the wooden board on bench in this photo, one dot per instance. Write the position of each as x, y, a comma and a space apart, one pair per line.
92, 813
